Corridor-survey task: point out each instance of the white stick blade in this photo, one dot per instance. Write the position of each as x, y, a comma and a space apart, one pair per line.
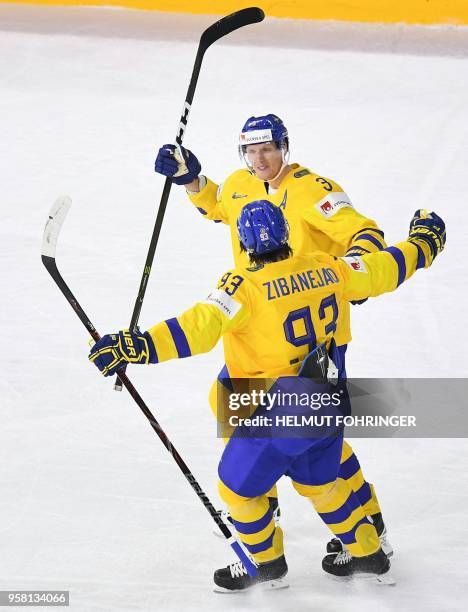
54, 224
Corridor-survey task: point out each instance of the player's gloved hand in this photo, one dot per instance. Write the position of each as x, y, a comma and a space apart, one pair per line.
182, 170
359, 252
112, 351
427, 230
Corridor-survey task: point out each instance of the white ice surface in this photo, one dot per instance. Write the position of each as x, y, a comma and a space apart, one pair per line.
90, 501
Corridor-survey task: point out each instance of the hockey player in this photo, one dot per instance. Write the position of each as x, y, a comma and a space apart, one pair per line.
320, 216
269, 315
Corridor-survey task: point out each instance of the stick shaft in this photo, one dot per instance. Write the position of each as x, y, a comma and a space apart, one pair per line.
221, 28
51, 266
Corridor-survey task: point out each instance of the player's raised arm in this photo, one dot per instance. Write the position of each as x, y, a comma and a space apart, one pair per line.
195, 331
382, 272
203, 193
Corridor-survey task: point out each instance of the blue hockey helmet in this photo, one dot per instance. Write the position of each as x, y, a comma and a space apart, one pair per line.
265, 128
262, 227
262, 129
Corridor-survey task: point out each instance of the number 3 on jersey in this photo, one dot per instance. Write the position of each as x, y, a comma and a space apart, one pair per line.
309, 337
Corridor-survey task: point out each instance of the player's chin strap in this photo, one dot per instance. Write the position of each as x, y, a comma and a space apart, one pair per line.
285, 160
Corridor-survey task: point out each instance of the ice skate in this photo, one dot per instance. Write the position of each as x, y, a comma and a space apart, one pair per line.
234, 577
373, 567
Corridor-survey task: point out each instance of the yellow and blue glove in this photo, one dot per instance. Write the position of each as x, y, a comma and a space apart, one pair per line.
427, 232
113, 351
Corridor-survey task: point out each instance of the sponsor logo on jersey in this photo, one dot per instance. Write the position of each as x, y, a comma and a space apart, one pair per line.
355, 263
255, 136
332, 203
223, 302
236, 195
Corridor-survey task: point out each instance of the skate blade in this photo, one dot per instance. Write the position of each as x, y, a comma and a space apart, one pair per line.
380, 579
269, 585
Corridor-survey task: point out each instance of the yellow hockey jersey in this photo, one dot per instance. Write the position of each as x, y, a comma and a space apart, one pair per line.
320, 216
271, 315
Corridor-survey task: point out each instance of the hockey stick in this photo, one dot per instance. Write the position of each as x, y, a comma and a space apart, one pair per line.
221, 28
49, 243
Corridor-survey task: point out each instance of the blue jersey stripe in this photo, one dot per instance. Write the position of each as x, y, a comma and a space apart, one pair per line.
421, 257
370, 238
179, 337
370, 229
400, 259
357, 253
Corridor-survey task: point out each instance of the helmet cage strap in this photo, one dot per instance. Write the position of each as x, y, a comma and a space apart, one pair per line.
284, 158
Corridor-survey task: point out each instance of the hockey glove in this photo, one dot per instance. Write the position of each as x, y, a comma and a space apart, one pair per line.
181, 170
112, 351
427, 232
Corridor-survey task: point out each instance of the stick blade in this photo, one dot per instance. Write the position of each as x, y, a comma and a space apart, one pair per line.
57, 215
230, 23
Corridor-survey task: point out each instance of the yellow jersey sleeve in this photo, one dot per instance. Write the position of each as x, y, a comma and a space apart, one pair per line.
377, 273
334, 215
198, 329
208, 202
369, 239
